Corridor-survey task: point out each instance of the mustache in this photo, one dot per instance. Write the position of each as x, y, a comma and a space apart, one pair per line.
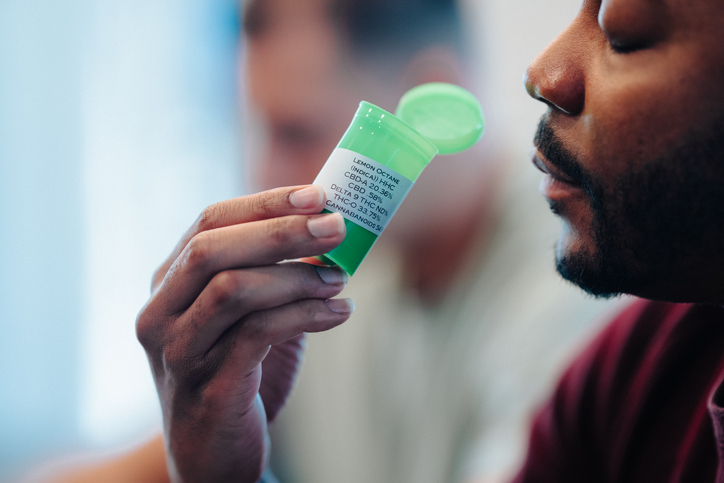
551, 147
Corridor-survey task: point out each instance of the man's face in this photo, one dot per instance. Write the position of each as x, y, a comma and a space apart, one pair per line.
633, 144
302, 85
305, 80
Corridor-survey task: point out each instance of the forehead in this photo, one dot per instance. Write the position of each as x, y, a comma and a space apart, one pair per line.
259, 13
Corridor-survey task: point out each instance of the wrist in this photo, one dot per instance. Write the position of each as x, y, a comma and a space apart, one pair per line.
201, 451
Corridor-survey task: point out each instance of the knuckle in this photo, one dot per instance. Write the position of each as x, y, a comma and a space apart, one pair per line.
148, 330
260, 203
176, 354
256, 325
280, 231
198, 252
209, 218
268, 202
143, 332
226, 288
168, 346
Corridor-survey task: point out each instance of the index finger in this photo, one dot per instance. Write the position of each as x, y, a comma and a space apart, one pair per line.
290, 200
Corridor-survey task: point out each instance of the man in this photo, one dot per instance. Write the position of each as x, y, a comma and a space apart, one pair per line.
634, 161
633, 148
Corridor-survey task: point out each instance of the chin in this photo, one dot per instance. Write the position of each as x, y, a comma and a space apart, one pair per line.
608, 270
580, 269
583, 265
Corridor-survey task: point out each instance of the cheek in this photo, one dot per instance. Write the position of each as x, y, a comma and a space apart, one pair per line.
645, 107
637, 125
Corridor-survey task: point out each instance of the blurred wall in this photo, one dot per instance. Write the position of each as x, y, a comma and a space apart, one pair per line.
159, 127
42, 239
117, 127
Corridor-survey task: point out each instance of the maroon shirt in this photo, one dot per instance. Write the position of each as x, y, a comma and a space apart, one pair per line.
640, 404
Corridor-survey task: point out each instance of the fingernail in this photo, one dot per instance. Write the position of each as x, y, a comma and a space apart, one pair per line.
326, 226
341, 306
332, 275
307, 197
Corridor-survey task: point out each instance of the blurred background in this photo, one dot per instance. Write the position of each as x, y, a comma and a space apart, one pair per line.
119, 123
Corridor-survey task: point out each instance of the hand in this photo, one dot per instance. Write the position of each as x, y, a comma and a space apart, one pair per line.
223, 329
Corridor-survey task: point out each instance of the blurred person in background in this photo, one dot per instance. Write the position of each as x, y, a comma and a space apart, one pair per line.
460, 323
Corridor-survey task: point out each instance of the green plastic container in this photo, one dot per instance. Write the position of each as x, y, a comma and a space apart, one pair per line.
382, 137
380, 156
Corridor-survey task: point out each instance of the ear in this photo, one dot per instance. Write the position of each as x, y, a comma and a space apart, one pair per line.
432, 64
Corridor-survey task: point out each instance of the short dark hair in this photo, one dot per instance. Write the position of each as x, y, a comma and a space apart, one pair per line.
399, 27
391, 28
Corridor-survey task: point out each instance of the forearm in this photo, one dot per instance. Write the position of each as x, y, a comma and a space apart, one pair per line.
144, 464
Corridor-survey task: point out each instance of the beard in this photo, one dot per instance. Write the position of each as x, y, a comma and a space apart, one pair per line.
651, 222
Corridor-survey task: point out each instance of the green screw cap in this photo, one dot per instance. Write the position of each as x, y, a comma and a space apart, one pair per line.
446, 114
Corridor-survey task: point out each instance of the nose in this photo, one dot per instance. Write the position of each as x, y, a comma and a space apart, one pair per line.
556, 76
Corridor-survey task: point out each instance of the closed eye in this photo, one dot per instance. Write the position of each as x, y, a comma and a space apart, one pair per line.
627, 47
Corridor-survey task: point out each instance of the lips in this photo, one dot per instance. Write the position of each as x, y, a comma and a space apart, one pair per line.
556, 186
546, 167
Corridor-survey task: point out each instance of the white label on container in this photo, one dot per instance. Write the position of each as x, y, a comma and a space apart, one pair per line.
364, 191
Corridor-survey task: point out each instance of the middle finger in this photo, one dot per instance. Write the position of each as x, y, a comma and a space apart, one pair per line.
246, 245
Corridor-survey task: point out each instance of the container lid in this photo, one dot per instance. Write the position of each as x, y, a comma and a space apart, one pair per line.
446, 114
